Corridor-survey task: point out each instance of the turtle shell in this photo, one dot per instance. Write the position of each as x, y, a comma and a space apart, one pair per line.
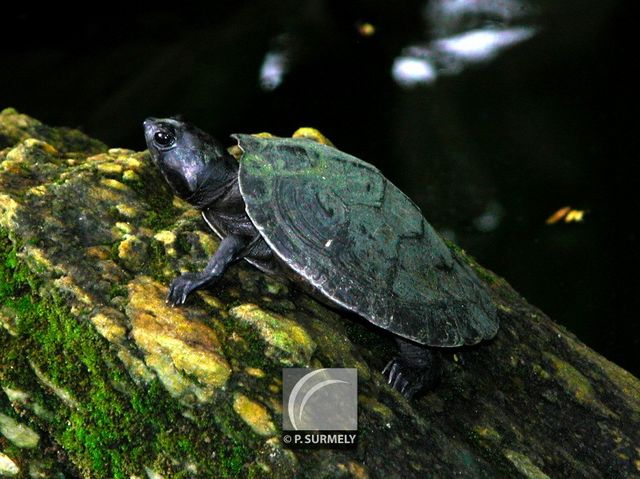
361, 242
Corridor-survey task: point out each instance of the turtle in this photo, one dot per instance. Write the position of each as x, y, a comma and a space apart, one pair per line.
332, 223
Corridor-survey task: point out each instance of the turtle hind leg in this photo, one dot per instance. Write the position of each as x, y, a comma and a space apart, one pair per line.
415, 369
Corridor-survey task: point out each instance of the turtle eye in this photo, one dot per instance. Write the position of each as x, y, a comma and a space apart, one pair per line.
164, 138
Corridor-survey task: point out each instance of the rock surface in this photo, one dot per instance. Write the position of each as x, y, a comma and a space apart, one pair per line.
100, 378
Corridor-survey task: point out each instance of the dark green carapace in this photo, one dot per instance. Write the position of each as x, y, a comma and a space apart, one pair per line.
359, 240
335, 225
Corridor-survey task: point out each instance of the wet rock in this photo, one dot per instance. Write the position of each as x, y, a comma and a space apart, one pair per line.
177, 346
288, 341
254, 414
7, 466
18, 434
99, 377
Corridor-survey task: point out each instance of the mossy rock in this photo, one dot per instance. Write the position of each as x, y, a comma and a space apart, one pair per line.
99, 378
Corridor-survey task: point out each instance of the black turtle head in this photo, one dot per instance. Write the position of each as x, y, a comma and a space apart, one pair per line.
192, 162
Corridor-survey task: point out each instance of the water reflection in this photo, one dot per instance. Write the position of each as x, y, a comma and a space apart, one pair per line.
414, 67
272, 71
465, 32
481, 45
446, 17
275, 63
490, 218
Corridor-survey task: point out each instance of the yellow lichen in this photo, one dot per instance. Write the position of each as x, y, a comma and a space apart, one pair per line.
99, 252
254, 414
376, 406
540, 371
211, 300
39, 190
274, 388
126, 210
167, 238
133, 252
124, 228
36, 258
288, 341
183, 205
132, 163
176, 346
235, 151
576, 384
524, 465
120, 152
42, 145
110, 168
13, 167
138, 370
255, 372
488, 433
276, 287
115, 184
130, 175
8, 209
275, 403
357, 471
108, 323
311, 134
207, 242
67, 284
628, 383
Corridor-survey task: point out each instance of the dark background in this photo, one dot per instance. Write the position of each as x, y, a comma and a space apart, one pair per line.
540, 127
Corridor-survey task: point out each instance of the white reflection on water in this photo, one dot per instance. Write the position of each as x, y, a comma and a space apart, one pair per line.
272, 71
482, 45
490, 218
465, 32
446, 17
410, 70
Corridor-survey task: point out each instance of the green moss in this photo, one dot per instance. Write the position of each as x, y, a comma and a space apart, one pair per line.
113, 434
576, 384
365, 335
159, 197
249, 349
288, 342
117, 290
183, 245
156, 260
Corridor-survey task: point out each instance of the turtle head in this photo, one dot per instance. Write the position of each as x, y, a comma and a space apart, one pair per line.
195, 165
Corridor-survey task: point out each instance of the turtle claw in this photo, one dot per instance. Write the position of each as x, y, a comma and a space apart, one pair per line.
390, 370
181, 287
395, 376
405, 379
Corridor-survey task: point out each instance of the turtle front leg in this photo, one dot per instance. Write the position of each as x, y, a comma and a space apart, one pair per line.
228, 251
416, 368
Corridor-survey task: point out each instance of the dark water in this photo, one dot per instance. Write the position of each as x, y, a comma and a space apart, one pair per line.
490, 114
